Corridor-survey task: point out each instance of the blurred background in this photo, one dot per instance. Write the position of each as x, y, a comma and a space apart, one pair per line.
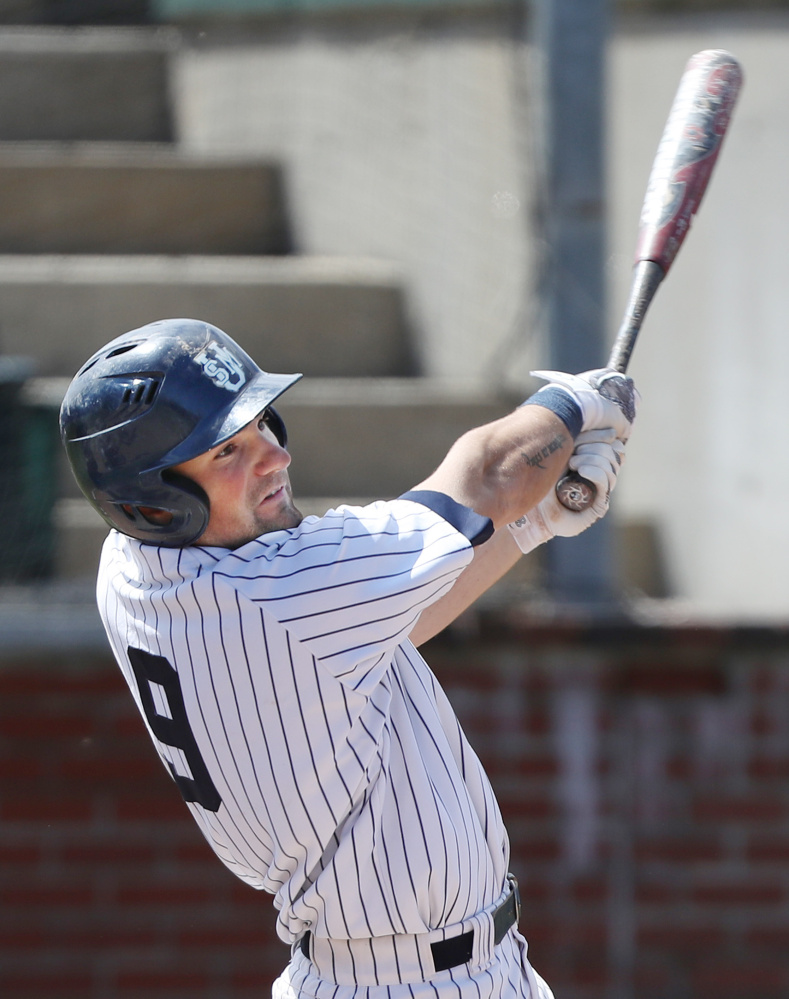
415, 203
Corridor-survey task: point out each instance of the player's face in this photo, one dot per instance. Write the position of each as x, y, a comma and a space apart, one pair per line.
248, 486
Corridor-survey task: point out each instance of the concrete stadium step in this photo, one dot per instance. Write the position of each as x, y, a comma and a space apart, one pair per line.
137, 198
351, 438
80, 533
331, 316
378, 437
352, 442
72, 84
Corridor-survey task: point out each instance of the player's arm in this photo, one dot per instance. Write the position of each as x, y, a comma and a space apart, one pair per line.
507, 470
491, 561
597, 456
504, 468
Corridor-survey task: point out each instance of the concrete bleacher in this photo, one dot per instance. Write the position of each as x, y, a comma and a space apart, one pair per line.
148, 198
106, 224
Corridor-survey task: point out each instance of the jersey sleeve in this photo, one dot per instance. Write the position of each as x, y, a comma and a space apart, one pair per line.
472, 525
349, 586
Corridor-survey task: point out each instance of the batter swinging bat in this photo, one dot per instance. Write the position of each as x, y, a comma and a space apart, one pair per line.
680, 173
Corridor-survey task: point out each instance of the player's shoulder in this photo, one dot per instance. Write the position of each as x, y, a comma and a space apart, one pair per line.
354, 528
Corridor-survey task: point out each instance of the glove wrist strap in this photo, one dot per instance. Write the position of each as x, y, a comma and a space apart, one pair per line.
561, 402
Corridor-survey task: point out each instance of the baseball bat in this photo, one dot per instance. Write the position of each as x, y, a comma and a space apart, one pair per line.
683, 164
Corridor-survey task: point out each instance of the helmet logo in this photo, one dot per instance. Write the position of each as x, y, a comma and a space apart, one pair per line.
219, 364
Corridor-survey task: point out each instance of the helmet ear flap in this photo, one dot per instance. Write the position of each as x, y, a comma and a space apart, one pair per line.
180, 497
190, 518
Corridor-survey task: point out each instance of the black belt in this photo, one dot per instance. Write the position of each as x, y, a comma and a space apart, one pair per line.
458, 950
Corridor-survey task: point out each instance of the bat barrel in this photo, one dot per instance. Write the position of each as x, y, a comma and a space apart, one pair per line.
687, 153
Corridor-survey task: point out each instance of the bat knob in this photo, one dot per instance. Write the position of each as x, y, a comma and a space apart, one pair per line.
574, 492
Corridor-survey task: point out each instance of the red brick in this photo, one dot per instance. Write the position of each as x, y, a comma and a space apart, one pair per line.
94, 854
670, 677
538, 722
99, 677
46, 808
258, 984
131, 726
769, 938
195, 852
762, 680
681, 939
153, 807
519, 804
679, 851
104, 937
535, 890
14, 939
228, 937
652, 980
480, 679
679, 768
590, 889
544, 849
110, 769
38, 984
565, 919
51, 896
144, 983
591, 975
14, 770
655, 893
769, 768
769, 850
250, 903
546, 767
175, 894
762, 723
45, 728
722, 980
543, 934
739, 894
19, 854
745, 809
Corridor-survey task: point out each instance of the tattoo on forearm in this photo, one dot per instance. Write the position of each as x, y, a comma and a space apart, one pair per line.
536, 460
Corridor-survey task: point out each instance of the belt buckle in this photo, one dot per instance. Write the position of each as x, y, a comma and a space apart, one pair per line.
517, 895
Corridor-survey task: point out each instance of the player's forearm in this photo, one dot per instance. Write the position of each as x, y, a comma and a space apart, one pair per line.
505, 468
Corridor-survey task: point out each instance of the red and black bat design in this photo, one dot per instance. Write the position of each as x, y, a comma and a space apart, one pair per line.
681, 171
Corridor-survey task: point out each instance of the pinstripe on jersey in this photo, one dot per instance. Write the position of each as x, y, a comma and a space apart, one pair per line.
345, 785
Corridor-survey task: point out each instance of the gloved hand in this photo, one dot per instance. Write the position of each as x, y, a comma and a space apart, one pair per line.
606, 398
598, 456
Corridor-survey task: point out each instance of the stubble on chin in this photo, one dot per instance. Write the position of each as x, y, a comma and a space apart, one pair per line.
286, 518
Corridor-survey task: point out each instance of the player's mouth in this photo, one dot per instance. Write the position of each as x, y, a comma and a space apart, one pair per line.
274, 496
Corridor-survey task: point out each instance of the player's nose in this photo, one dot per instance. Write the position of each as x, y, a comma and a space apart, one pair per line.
270, 455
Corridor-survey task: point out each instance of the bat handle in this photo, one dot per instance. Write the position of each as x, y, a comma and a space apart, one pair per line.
573, 491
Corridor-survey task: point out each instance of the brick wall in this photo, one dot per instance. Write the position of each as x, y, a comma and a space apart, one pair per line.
644, 774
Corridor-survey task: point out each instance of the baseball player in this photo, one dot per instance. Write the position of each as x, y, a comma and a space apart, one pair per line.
274, 660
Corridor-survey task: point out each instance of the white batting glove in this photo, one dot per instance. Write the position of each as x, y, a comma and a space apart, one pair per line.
606, 398
598, 456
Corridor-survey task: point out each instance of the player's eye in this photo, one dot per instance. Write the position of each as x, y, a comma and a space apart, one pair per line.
263, 420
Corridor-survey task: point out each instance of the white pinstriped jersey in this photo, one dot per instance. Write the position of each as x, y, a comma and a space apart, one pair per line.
314, 746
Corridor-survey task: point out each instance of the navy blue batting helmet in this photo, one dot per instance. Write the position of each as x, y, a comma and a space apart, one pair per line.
150, 399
